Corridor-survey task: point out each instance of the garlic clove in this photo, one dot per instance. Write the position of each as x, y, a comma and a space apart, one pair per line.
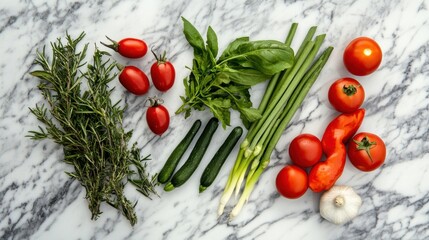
340, 204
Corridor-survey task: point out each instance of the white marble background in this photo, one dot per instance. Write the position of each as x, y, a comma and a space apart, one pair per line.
38, 201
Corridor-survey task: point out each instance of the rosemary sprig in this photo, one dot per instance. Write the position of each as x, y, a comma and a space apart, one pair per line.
88, 125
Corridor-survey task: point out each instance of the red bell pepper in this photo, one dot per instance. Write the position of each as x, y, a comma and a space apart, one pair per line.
324, 174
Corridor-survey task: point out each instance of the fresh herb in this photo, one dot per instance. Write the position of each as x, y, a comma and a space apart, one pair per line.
223, 83
89, 126
282, 98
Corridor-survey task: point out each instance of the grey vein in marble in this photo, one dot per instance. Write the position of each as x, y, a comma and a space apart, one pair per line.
39, 201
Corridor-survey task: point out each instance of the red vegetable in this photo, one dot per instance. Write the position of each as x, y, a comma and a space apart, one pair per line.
362, 56
346, 95
324, 174
162, 73
128, 47
134, 80
305, 150
157, 117
367, 151
292, 182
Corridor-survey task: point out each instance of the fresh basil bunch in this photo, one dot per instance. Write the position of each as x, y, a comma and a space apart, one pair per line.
224, 83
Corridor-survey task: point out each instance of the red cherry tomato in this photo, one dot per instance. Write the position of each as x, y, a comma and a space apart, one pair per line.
346, 95
292, 182
134, 80
157, 117
128, 47
305, 150
362, 56
162, 73
367, 151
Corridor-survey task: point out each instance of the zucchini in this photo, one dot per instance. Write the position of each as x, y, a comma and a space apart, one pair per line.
213, 168
172, 161
194, 159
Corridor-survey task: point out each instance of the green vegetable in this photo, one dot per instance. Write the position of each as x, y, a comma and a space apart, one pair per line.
172, 161
189, 167
282, 98
266, 56
213, 168
223, 84
89, 127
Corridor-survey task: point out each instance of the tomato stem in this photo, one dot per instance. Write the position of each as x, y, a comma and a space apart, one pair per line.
161, 58
154, 101
365, 145
114, 46
349, 90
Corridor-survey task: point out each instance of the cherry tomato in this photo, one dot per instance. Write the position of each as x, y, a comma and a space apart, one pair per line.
134, 80
128, 47
157, 117
292, 182
367, 151
162, 73
305, 150
362, 56
346, 95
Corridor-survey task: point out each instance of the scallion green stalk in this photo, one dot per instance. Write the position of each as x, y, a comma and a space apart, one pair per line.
297, 97
232, 179
283, 96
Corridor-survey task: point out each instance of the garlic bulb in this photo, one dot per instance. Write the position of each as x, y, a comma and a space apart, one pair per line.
340, 204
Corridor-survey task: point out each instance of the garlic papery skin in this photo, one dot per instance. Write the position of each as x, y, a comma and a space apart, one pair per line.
340, 204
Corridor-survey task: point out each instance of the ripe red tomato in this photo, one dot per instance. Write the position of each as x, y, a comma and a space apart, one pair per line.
292, 182
128, 47
305, 150
157, 117
362, 56
162, 73
346, 95
134, 80
367, 151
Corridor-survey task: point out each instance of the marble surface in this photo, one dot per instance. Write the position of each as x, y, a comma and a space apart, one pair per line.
39, 201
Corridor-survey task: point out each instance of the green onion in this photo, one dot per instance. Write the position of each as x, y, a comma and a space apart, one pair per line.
283, 96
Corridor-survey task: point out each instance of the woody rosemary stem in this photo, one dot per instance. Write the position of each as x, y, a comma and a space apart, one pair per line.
88, 125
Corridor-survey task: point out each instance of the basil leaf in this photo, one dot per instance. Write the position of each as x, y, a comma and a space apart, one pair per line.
237, 89
212, 43
220, 109
187, 90
232, 47
267, 56
223, 84
245, 122
208, 78
248, 114
222, 77
187, 113
200, 106
193, 36
234, 91
243, 76
192, 82
251, 114
222, 103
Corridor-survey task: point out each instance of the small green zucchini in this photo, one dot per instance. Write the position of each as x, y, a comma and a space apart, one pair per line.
194, 159
213, 168
172, 161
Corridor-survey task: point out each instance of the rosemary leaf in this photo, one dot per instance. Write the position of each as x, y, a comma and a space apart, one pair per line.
88, 125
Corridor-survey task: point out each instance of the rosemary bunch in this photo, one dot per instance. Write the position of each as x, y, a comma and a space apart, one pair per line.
83, 119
